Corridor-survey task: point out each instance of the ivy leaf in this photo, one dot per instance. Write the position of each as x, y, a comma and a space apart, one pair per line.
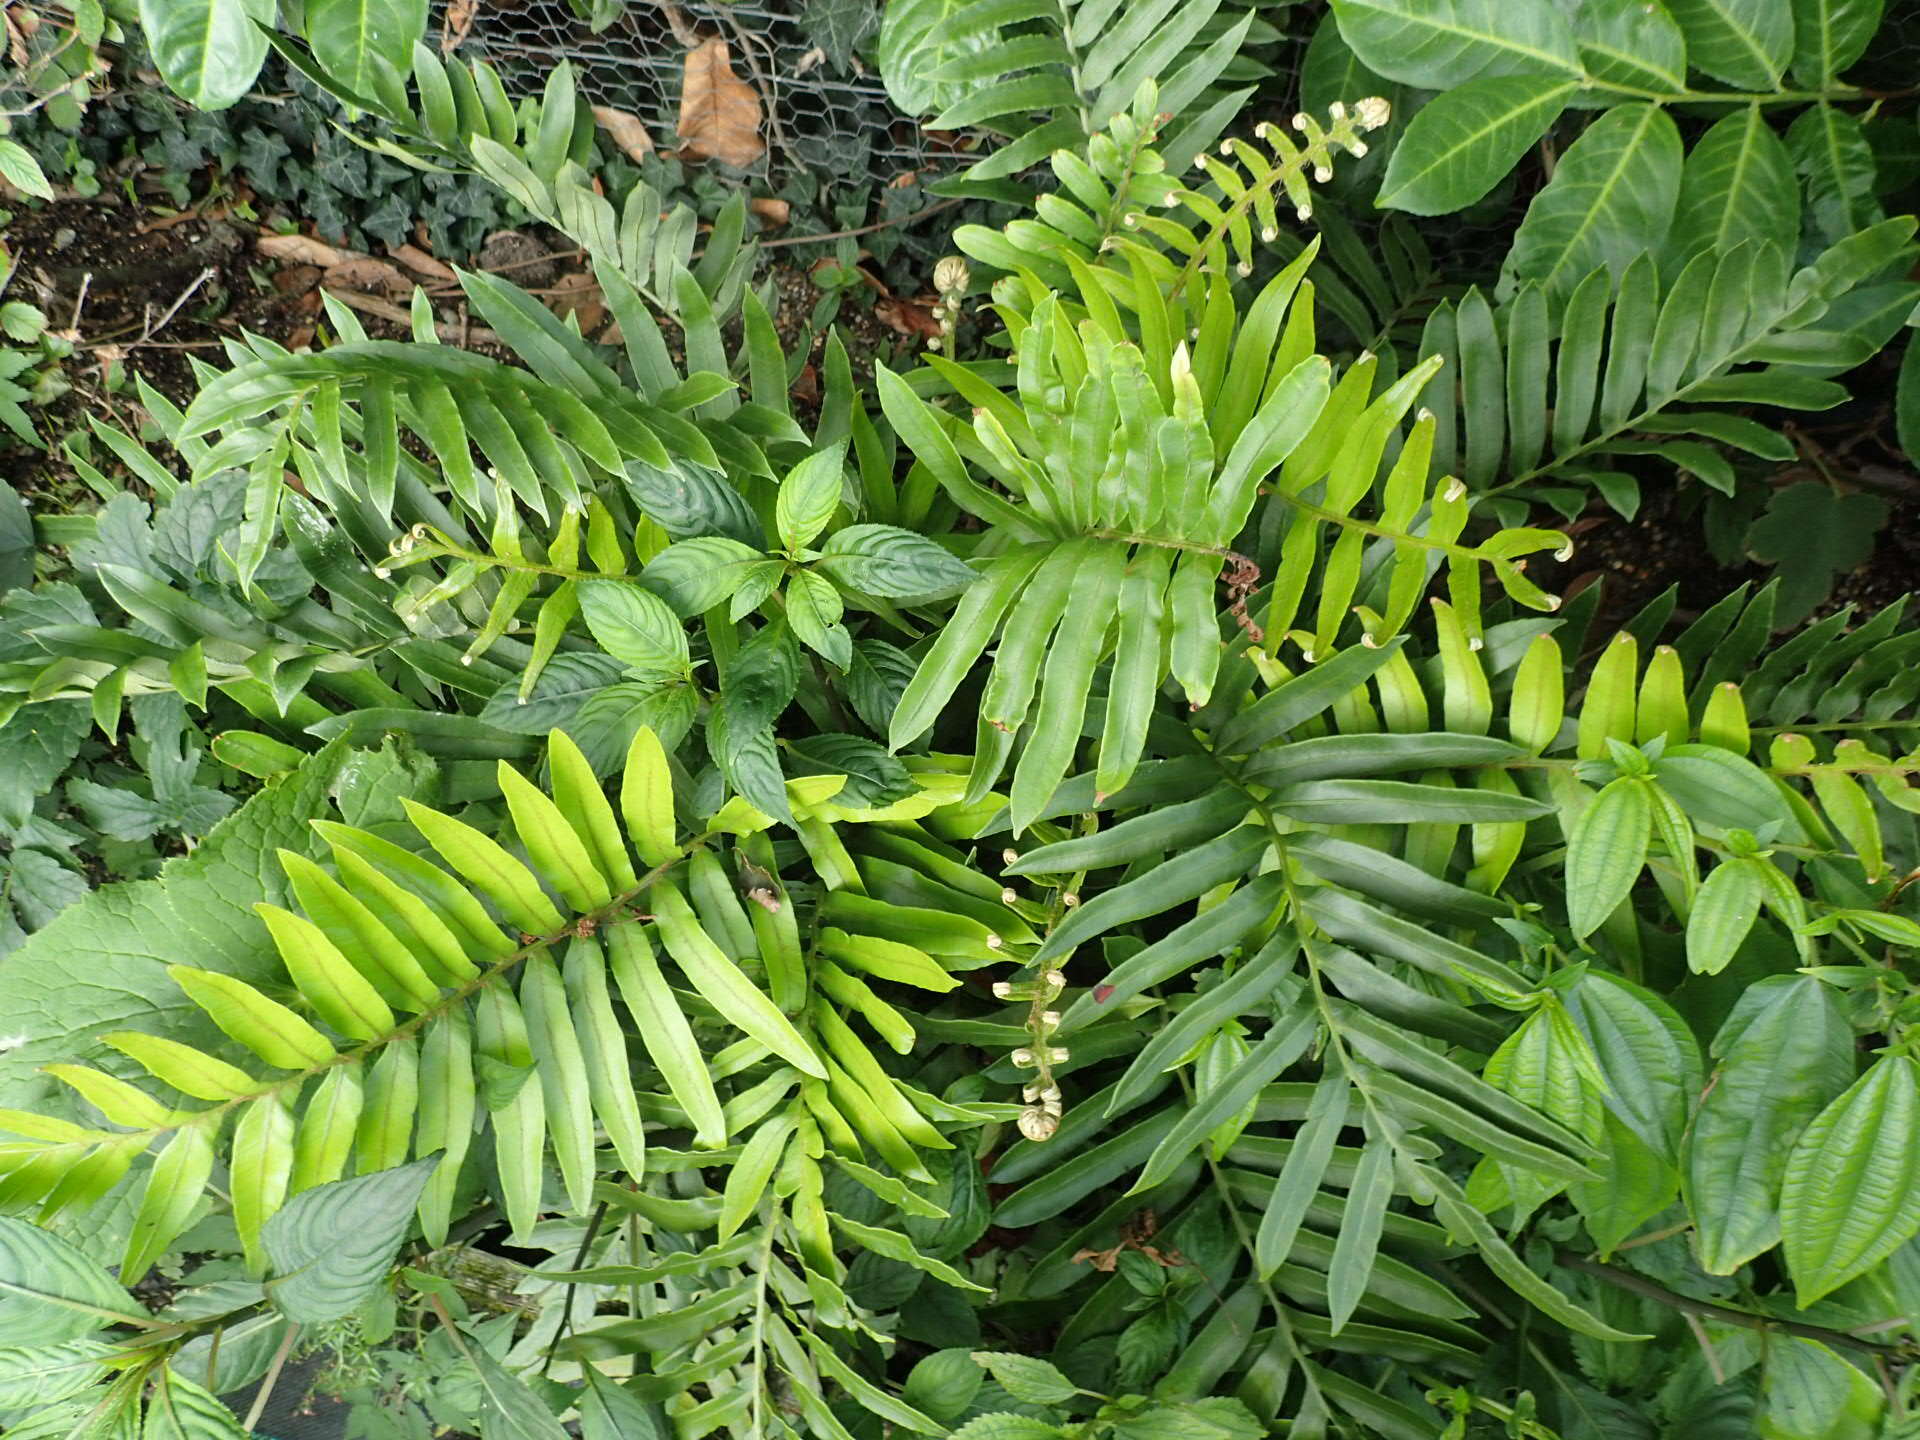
1823, 533
331, 1246
36, 747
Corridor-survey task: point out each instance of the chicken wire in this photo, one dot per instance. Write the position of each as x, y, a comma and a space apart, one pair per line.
821, 117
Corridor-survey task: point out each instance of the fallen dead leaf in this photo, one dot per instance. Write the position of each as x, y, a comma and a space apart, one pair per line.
458, 21
296, 279
811, 60
577, 295
304, 250
907, 316
806, 386
366, 274
421, 263
770, 209
626, 130
719, 112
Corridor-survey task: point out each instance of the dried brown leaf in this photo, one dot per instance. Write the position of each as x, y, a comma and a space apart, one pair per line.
772, 211
303, 250
907, 316
364, 273
458, 21
626, 131
719, 112
576, 294
421, 263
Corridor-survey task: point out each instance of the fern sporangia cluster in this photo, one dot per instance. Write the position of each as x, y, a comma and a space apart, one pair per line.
1089, 891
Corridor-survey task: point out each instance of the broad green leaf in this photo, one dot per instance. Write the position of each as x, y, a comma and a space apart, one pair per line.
1439, 44
1630, 43
1851, 1194
208, 51
1605, 852
1829, 35
509, 1409
1809, 1393
178, 1409
1723, 912
51, 1291
38, 1375
1831, 154
1737, 184
894, 564
350, 38
1030, 1380
695, 575
1461, 143
331, 1245
809, 496
635, 626
1784, 1054
1743, 42
1611, 198
22, 171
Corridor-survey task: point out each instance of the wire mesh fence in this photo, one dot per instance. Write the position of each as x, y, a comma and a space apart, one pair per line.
826, 112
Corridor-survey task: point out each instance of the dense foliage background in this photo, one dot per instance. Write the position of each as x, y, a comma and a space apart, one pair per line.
1209, 732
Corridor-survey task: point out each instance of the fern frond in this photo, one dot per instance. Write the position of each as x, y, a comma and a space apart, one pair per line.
1132, 495
422, 993
1085, 63
1608, 377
